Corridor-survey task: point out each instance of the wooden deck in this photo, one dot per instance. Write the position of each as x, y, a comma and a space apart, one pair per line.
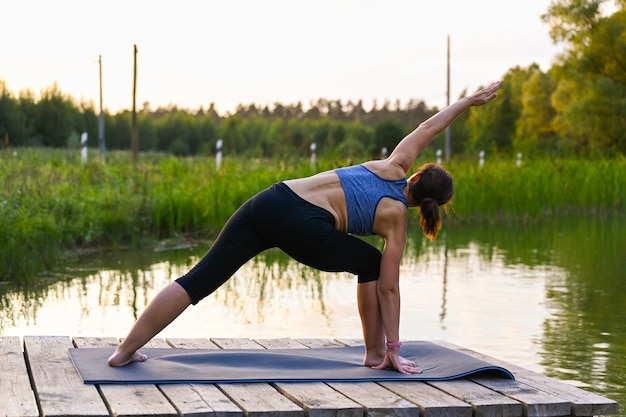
37, 378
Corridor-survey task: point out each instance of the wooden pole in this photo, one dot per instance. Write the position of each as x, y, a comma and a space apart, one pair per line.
134, 137
449, 128
101, 117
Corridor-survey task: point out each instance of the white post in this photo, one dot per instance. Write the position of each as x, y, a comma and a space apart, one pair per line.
83, 147
313, 148
383, 152
438, 156
519, 159
481, 160
218, 156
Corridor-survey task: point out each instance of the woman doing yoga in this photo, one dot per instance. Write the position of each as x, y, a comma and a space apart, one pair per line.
314, 220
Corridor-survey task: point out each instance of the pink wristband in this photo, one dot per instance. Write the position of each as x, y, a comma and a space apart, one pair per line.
391, 345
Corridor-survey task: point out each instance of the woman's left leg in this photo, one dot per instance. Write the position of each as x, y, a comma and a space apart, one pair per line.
320, 246
236, 244
347, 253
168, 304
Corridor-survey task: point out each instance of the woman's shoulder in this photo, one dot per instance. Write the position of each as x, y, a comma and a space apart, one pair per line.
386, 169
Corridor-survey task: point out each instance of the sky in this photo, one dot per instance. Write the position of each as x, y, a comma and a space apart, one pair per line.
193, 53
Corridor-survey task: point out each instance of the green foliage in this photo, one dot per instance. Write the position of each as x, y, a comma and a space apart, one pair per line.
117, 130
12, 123
534, 132
493, 126
387, 135
566, 18
589, 99
50, 203
55, 118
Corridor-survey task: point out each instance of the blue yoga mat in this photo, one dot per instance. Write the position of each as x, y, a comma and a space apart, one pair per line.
341, 364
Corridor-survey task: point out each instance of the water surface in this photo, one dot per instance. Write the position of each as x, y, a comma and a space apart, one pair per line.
550, 297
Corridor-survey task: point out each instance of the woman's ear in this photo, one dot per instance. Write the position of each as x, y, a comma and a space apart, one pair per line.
415, 177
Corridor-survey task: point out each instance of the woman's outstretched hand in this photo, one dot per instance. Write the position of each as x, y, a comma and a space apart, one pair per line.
394, 361
485, 95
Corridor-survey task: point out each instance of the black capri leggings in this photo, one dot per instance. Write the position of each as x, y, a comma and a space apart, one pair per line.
278, 217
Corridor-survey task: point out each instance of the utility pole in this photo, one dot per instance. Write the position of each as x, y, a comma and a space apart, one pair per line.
101, 117
134, 137
449, 128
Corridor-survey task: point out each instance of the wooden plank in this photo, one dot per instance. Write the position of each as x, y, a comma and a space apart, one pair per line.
432, 402
377, 400
254, 398
16, 395
536, 403
485, 402
198, 399
583, 403
324, 343
316, 398
128, 399
58, 387
454, 398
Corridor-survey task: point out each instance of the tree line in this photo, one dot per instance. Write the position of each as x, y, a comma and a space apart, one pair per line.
576, 107
55, 120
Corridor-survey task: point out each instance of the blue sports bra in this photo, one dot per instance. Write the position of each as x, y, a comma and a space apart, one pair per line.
364, 190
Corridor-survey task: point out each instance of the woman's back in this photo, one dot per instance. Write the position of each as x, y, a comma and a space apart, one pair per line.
325, 190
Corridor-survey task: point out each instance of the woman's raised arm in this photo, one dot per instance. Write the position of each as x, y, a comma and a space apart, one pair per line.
407, 150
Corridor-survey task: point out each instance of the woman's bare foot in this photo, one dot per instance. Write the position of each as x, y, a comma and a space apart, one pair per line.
120, 358
372, 359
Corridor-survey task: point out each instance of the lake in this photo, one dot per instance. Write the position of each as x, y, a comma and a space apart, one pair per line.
549, 296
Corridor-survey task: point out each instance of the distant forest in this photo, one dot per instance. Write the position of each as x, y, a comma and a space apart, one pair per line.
576, 108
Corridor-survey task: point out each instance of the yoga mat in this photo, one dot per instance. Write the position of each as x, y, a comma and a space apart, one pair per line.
340, 364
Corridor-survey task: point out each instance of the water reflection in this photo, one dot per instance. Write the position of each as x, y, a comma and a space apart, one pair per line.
585, 336
547, 296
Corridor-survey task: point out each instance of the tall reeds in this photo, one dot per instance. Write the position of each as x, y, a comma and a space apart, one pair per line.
503, 191
51, 204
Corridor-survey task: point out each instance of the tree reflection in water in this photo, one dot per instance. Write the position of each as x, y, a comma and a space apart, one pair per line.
547, 296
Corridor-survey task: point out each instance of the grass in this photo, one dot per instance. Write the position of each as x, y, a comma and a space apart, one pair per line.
51, 204
540, 188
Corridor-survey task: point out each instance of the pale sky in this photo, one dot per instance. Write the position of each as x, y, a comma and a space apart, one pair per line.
192, 53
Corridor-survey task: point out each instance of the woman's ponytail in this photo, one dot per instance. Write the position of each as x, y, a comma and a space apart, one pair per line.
430, 220
435, 188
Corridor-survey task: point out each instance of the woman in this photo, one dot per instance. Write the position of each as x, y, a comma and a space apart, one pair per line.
313, 220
